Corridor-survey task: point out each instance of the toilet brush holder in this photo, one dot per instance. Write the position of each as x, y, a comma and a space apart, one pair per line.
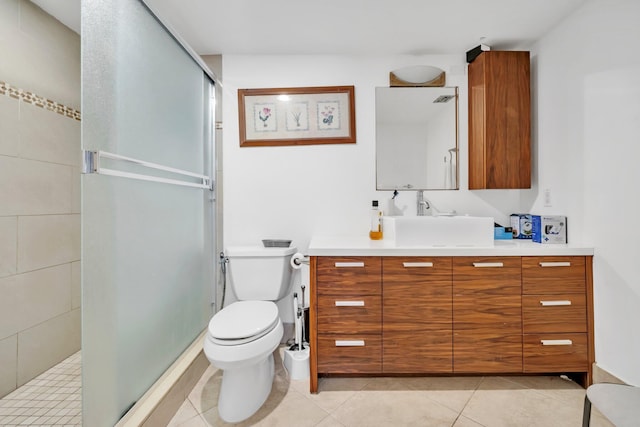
297, 363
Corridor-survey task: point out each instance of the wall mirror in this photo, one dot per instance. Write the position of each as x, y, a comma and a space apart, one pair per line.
417, 138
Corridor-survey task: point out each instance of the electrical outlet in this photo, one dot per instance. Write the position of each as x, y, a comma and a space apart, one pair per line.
547, 197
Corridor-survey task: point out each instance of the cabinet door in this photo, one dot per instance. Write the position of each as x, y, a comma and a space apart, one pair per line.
417, 315
487, 314
500, 120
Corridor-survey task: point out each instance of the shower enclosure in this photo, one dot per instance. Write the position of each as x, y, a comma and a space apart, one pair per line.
147, 201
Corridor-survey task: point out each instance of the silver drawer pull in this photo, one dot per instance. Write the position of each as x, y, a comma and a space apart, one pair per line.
349, 264
349, 343
417, 264
488, 264
555, 264
349, 303
555, 303
556, 342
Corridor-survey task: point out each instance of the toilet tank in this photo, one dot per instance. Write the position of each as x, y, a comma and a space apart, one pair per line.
259, 273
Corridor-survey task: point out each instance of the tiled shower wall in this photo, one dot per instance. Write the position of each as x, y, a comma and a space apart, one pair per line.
39, 192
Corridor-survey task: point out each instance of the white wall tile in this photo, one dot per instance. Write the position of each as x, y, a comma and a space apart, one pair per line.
29, 61
47, 344
9, 126
31, 298
47, 240
76, 293
39, 25
9, 17
29, 187
8, 364
8, 245
76, 176
48, 136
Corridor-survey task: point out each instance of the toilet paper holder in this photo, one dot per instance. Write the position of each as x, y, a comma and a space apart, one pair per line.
298, 259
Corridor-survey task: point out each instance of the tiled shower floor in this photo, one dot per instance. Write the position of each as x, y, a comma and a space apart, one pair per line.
51, 399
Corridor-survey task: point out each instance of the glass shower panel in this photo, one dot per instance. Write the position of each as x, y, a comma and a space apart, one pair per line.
146, 246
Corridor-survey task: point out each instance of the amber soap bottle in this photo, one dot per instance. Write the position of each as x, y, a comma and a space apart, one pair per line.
375, 233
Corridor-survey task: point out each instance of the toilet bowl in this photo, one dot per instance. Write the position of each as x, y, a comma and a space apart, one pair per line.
241, 340
242, 337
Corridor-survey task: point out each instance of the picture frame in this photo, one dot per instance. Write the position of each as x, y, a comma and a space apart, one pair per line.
297, 116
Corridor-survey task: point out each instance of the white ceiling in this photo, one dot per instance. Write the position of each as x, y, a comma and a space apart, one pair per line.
347, 26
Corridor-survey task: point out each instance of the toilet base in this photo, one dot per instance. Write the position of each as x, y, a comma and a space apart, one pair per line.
249, 385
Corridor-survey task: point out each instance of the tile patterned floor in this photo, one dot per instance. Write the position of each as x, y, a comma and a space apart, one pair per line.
51, 399
433, 401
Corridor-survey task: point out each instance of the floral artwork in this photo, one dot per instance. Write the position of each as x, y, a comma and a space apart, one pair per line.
264, 118
328, 115
297, 116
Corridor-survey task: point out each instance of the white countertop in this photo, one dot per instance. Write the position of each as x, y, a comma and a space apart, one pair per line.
363, 246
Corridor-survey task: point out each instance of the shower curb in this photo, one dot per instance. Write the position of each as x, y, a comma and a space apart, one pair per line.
161, 402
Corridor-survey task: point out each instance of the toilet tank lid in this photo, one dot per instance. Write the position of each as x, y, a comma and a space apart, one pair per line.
258, 251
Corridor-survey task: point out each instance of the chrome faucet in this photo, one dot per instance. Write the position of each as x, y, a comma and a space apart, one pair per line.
422, 204
425, 208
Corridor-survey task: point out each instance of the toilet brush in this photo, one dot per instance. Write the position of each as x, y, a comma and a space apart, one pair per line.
296, 340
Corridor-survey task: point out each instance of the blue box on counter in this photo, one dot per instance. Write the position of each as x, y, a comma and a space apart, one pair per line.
549, 229
522, 227
502, 233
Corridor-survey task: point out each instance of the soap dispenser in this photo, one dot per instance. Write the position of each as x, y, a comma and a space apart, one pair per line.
375, 233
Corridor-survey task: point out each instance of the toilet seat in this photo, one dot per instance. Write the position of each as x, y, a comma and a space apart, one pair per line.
243, 322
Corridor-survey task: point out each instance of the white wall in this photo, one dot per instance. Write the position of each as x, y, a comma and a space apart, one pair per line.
297, 192
588, 138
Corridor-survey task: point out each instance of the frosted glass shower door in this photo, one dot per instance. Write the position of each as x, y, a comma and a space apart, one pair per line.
147, 255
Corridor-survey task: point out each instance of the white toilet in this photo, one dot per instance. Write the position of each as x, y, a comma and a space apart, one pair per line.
242, 337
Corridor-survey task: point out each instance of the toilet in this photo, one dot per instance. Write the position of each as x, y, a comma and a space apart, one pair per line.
242, 337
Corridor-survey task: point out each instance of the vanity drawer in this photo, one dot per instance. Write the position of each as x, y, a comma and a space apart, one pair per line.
556, 313
486, 275
416, 269
344, 354
350, 315
349, 276
553, 275
555, 353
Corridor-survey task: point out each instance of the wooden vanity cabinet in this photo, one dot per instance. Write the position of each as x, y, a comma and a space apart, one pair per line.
487, 322
416, 315
499, 120
349, 314
555, 314
460, 315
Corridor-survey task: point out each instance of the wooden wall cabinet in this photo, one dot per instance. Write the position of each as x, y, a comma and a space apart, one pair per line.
443, 315
499, 120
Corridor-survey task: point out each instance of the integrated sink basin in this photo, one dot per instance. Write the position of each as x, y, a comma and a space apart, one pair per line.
439, 231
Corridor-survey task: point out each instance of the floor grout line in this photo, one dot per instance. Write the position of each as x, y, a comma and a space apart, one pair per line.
48, 399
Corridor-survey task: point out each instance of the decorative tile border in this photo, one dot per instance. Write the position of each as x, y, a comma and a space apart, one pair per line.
39, 101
